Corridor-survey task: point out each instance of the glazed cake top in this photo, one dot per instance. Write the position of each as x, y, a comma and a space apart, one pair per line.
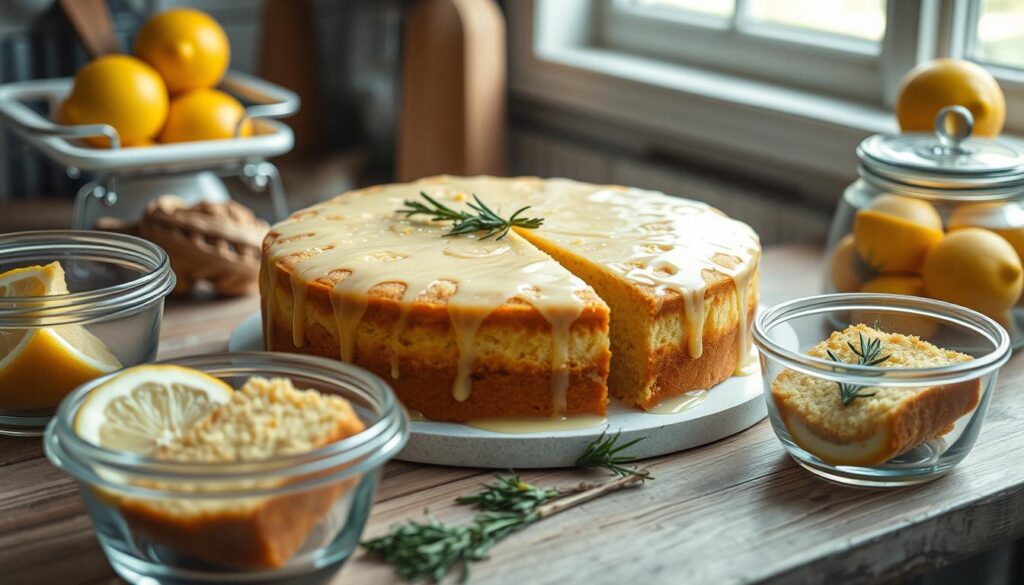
358, 241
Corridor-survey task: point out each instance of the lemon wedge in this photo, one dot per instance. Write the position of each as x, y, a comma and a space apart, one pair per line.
146, 407
38, 367
34, 281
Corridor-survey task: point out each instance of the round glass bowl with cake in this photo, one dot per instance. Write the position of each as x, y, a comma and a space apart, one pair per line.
935, 215
74, 305
484, 297
878, 389
229, 468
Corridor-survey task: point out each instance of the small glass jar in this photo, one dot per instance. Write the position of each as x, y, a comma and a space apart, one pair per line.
893, 231
151, 515
784, 333
110, 318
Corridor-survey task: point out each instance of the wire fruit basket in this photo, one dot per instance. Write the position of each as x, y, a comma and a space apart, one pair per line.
124, 179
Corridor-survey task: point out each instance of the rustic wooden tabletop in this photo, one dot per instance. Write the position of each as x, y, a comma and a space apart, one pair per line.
736, 511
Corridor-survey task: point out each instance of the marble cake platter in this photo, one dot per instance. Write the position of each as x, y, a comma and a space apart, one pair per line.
730, 407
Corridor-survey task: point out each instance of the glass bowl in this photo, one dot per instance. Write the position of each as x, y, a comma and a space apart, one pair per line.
111, 318
321, 498
785, 332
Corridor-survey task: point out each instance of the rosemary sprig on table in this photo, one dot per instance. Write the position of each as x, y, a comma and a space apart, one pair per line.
482, 219
508, 493
432, 548
867, 355
604, 453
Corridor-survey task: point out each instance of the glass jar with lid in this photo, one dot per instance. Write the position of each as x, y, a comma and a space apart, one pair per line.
935, 215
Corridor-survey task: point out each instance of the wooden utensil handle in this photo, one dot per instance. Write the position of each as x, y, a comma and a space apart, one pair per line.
91, 21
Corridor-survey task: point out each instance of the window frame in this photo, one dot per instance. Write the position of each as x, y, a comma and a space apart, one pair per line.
820, 62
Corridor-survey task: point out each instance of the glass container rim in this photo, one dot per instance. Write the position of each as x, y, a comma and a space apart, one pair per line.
102, 302
969, 319
954, 193
359, 453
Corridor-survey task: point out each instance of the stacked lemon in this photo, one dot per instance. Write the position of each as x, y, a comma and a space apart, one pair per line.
165, 92
899, 246
39, 366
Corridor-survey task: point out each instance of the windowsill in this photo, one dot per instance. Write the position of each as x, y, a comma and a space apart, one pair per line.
736, 91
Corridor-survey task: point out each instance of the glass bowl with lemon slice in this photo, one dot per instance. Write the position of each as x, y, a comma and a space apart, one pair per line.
74, 305
229, 468
937, 215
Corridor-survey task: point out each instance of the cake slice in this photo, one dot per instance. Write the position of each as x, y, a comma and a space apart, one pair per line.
872, 429
265, 419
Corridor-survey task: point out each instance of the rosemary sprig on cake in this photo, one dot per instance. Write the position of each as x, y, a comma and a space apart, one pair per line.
432, 548
481, 219
869, 354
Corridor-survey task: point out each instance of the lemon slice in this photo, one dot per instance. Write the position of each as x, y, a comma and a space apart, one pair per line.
146, 407
38, 367
34, 281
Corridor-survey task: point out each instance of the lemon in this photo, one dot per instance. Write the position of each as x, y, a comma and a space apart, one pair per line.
975, 268
204, 114
895, 284
148, 406
1005, 219
187, 47
844, 267
933, 85
894, 233
38, 367
122, 91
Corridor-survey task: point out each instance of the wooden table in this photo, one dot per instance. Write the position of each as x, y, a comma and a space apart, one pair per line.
736, 511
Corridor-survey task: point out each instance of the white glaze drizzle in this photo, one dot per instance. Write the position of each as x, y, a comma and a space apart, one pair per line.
664, 242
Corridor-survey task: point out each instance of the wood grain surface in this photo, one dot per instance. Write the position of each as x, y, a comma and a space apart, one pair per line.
736, 511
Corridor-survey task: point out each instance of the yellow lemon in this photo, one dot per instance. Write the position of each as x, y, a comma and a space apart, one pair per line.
894, 233
148, 406
895, 284
121, 91
975, 268
204, 114
1005, 219
933, 85
186, 46
845, 268
38, 367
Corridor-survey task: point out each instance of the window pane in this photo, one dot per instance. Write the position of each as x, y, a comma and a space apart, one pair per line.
715, 7
863, 19
1001, 32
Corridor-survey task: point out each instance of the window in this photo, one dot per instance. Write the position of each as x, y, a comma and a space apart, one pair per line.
997, 33
772, 85
832, 47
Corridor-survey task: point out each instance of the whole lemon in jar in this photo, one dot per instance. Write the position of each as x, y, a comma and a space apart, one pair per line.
121, 91
1005, 219
844, 267
188, 47
935, 84
896, 284
204, 114
894, 233
975, 268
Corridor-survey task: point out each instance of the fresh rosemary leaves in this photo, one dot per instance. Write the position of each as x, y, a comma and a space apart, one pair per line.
604, 453
867, 355
508, 493
431, 548
481, 219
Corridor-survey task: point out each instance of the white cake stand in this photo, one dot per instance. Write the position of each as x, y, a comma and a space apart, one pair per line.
125, 178
730, 407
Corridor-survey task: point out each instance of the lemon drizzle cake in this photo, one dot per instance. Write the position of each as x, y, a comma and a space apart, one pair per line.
469, 328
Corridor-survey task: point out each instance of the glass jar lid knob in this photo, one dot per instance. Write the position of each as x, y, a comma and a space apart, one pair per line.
953, 125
